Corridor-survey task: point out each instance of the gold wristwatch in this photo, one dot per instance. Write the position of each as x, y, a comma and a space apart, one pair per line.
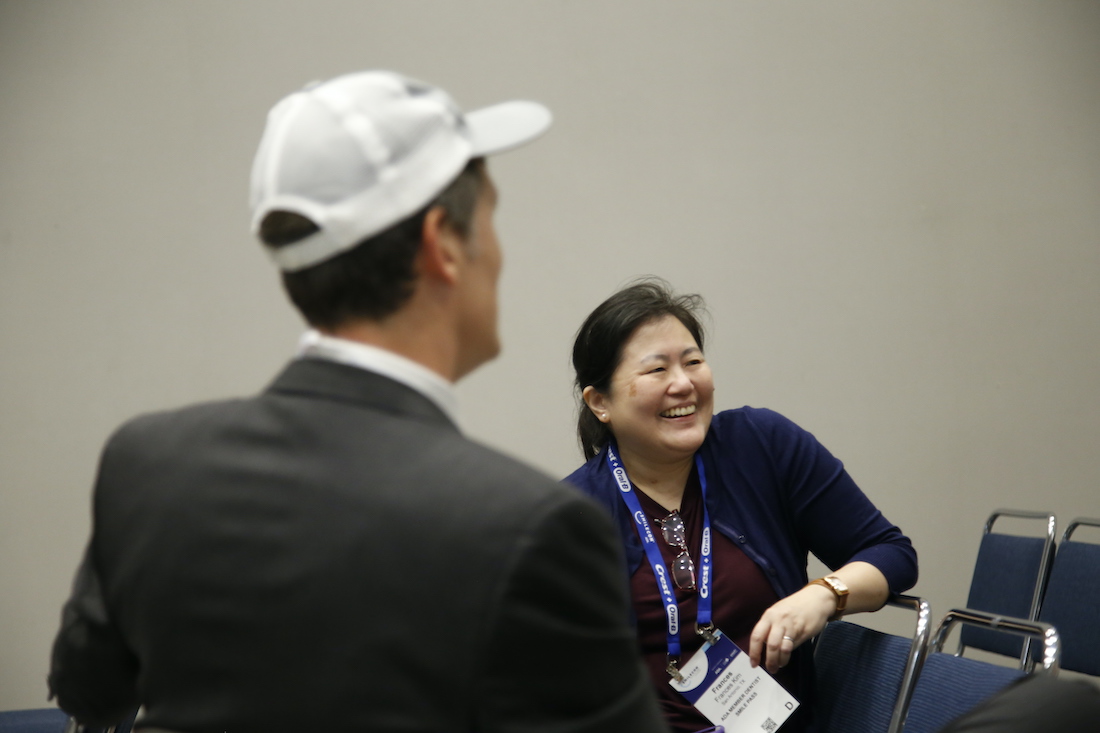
836, 585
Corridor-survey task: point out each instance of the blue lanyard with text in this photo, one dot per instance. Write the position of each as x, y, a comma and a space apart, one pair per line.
653, 553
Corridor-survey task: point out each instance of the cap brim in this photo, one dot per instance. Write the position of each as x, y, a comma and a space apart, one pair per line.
505, 126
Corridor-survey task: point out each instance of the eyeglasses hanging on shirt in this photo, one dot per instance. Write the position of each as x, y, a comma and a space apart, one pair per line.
675, 534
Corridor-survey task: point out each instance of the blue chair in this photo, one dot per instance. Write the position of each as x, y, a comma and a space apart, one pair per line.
1072, 600
1010, 577
865, 677
38, 720
950, 685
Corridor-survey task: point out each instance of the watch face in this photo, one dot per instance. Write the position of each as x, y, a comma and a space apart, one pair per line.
838, 585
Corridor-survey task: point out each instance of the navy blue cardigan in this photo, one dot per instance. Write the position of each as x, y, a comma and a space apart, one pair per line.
779, 494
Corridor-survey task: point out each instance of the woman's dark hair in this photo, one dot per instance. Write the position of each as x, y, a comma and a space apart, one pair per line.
598, 348
376, 277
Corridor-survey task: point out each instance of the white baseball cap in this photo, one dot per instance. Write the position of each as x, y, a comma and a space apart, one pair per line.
361, 152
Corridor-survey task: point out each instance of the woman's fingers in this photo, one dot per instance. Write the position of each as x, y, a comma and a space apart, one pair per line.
781, 642
772, 641
783, 628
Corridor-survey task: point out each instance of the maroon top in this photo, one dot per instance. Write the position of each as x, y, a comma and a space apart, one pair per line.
740, 594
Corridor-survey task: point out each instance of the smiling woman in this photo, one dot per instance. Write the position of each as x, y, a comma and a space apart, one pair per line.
660, 403
760, 488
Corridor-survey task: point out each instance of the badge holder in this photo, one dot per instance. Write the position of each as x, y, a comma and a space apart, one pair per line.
722, 685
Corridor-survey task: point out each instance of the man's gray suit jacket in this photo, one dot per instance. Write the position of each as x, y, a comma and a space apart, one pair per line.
333, 555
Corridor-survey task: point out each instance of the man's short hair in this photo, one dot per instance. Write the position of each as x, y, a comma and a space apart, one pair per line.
377, 276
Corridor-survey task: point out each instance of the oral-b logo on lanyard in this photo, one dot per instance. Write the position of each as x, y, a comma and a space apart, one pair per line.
619, 472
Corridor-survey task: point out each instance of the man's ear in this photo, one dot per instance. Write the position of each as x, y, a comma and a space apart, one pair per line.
441, 250
597, 402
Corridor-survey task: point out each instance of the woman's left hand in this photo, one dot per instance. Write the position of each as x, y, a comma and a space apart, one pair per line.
790, 622
802, 615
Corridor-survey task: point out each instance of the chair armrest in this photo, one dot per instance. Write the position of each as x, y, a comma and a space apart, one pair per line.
1038, 630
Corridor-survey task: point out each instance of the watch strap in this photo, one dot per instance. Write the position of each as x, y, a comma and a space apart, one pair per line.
839, 590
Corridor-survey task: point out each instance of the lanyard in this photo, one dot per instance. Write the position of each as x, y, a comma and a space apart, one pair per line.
653, 553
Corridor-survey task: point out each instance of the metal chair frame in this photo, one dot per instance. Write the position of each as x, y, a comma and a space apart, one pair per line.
1027, 628
1034, 630
1079, 522
1044, 611
1041, 579
917, 652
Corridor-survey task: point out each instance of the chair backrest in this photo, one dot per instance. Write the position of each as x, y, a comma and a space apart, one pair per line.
1010, 577
38, 720
1072, 600
864, 677
949, 685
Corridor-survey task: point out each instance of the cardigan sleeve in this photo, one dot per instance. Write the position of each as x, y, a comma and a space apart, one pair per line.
831, 515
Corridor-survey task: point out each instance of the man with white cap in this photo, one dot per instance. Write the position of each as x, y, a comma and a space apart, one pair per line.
333, 554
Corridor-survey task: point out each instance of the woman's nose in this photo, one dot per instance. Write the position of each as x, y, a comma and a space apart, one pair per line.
680, 382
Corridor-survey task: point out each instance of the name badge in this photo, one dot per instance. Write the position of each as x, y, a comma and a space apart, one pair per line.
722, 685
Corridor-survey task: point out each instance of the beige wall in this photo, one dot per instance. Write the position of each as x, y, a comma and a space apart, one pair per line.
892, 209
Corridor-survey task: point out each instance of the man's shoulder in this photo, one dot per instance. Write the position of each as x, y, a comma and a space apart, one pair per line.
428, 462
153, 422
479, 468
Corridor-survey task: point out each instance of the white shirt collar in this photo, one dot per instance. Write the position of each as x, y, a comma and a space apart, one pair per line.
399, 368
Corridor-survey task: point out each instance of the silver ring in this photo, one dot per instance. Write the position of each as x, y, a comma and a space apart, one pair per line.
788, 638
